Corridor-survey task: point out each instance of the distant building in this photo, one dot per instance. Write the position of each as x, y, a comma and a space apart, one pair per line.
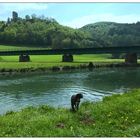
14, 16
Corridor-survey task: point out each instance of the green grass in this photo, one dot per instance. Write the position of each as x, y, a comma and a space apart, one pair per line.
115, 116
10, 48
47, 61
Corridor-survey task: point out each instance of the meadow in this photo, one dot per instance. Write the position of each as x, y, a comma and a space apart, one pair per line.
115, 116
21, 47
48, 61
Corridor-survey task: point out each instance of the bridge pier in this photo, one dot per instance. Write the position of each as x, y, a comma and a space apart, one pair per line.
67, 58
24, 58
131, 58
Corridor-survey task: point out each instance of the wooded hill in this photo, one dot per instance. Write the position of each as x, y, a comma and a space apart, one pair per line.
44, 32
48, 33
114, 34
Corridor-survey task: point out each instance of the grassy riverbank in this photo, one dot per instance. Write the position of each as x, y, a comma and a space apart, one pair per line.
115, 116
48, 61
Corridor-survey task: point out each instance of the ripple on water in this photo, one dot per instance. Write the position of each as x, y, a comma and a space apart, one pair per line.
56, 89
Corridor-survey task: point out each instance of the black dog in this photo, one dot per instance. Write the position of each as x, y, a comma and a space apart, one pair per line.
75, 101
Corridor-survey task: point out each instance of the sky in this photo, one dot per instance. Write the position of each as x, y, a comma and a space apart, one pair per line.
75, 15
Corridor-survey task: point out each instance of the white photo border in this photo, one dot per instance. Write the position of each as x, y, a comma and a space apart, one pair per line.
68, 1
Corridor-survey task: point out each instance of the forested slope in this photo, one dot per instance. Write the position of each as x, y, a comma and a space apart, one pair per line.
48, 33
45, 32
114, 34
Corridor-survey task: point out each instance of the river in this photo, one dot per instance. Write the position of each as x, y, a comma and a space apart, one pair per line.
56, 88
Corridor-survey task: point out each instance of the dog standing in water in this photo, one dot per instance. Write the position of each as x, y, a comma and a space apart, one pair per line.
75, 101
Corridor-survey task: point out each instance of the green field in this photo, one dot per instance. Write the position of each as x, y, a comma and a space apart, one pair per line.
10, 48
115, 116
47, 61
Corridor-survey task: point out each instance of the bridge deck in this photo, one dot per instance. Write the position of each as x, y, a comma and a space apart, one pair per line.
126, 49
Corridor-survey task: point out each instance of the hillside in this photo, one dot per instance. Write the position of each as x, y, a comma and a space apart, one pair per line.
114, 34
48, 33
44, 32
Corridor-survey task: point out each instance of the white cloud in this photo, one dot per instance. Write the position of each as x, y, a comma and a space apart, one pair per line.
22, 6
79, 22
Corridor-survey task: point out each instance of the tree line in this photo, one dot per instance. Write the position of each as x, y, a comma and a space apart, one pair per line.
48, 33
42, 32
114, 34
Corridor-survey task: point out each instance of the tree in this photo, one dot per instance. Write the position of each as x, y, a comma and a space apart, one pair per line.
8, 21
27, 17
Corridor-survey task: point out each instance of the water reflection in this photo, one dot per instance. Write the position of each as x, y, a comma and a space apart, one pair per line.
114, 80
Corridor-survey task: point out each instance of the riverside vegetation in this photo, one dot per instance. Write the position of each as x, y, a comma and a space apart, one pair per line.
11, 63
45, 63
115, 116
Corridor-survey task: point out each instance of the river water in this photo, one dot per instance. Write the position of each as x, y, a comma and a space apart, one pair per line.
56, 88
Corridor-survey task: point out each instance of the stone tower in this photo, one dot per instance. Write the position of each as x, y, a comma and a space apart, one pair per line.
14, 16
